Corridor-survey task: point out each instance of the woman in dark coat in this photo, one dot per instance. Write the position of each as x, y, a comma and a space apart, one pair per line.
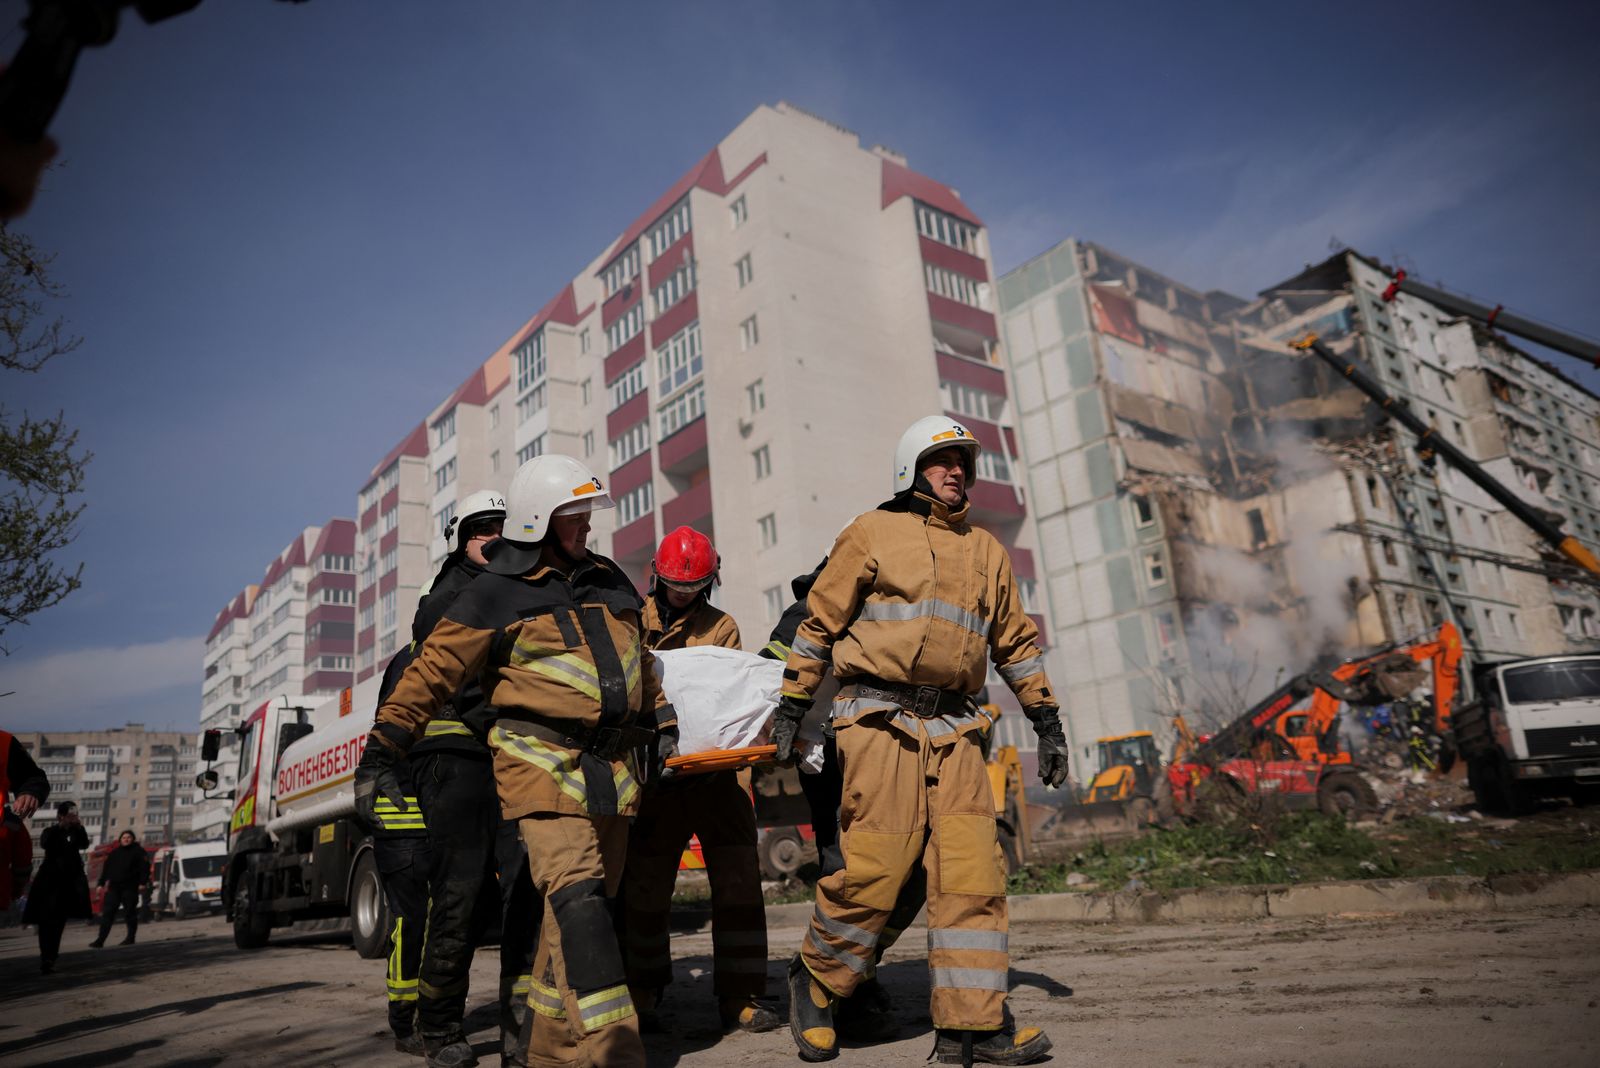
60, 892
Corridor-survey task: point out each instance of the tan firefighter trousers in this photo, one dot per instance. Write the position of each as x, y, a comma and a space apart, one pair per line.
582, 1012
715, 807
908, 802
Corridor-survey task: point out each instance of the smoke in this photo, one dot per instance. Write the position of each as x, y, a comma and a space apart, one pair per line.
1274, 611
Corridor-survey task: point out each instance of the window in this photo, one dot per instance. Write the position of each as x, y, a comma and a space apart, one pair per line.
583, 340
441, 521
444, 428
369, 497
755, 395
531, 449
1155, 567
948, 283
391, 559
494, 462
388, 642
1258, 528
368, 616
947, 229
588, 443
683, 409
282, 613
365, 657
632, 442
978, 403
1372, 491
763, 459
533, 403
749, 335
679, 361
768, 525
494, 416
391, 519
1388, 552
622, 270
628, 385
677, 286
738, 212
635, 504
333, 595
1028, 591
531, 362
774, 598
745, 270
586, 389
993, 467
444, 474
369, 569
673, 225
1144, 512
336, 663
386, 605
624, 329
391, 475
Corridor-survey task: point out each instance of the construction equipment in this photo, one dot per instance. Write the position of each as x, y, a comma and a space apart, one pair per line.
1128, 768
1496, 318
1430, 443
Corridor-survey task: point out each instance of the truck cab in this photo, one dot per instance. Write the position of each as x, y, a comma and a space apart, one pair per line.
1533, 730
193, 878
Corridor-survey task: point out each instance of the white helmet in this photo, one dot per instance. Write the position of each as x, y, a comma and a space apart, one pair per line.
545, 486
930, 434
485, 504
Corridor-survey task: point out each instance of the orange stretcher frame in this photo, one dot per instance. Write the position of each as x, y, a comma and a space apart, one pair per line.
723, 759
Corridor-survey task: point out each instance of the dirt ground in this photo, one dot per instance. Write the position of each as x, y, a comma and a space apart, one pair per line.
1508, 988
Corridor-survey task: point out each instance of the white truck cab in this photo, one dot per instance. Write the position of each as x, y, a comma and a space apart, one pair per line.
194, 877
1532, 730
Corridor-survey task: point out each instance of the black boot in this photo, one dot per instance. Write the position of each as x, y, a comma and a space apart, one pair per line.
811, 1015
411, 1044
867, 1015
98, 943
1004, 1046
451, 1050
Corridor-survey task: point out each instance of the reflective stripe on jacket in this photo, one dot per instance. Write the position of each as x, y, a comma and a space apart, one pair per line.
920, 597
545, 647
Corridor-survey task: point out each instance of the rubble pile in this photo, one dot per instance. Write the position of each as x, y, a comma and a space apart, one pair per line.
1404, 791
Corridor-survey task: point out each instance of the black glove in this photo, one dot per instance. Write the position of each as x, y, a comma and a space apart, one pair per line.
1046, 720
666, 749
378, 773
786, 725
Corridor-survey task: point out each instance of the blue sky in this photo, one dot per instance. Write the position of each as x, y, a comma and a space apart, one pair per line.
288, 230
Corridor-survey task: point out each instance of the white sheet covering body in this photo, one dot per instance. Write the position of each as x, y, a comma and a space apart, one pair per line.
724, 699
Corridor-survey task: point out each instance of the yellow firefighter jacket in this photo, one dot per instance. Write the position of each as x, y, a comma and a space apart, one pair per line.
699, 624
550, 649
915, 595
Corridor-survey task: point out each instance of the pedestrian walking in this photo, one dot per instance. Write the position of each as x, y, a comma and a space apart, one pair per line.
126, 873
60, 891
23, 788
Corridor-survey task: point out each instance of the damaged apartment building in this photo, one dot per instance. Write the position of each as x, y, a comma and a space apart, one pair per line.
1218, 512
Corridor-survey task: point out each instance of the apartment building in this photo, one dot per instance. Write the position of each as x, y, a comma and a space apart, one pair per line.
123, 779
741, 359
292, 633
1218, 512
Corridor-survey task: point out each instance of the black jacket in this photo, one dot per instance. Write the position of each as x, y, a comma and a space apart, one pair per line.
128, 866
462, 726
59, 890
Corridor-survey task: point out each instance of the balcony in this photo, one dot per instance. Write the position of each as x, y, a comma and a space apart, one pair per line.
691, 508
637, 537
973, 320
994, 502
685, 450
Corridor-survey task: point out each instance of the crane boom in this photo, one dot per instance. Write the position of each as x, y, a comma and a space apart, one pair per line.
1560, 340
1428, 438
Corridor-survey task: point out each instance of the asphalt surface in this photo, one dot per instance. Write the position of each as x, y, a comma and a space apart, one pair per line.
1485, 989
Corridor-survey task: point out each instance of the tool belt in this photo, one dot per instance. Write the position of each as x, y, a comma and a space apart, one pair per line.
607, 743
924, 701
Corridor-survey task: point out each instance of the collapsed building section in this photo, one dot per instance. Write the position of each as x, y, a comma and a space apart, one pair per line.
1218, 512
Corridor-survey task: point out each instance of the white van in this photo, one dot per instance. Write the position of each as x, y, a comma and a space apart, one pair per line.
195, 878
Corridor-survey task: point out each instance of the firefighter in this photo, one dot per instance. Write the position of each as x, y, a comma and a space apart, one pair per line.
912, 603
714, 806
866, 1015
400, 846
554, 633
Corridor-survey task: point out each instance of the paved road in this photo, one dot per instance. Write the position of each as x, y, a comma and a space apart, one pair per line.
1498, 989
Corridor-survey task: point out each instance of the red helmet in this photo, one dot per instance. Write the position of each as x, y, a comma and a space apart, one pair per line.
686, 561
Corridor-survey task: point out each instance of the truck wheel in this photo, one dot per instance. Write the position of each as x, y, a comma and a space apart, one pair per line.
781, 853
1348, 795
370, 922
1502, 794
250, 930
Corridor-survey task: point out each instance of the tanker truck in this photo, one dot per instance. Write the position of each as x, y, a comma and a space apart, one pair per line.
295, 850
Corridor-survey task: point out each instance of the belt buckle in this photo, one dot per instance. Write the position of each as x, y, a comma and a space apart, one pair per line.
604, 740
927, 702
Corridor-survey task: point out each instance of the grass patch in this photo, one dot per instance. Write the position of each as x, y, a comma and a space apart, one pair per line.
1310, 847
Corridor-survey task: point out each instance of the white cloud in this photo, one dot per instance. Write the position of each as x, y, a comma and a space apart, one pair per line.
102, 685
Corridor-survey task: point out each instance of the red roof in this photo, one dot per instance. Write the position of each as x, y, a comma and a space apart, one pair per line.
238, 608
338, 536
901, 181
707, 175
414, 444
563, 309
